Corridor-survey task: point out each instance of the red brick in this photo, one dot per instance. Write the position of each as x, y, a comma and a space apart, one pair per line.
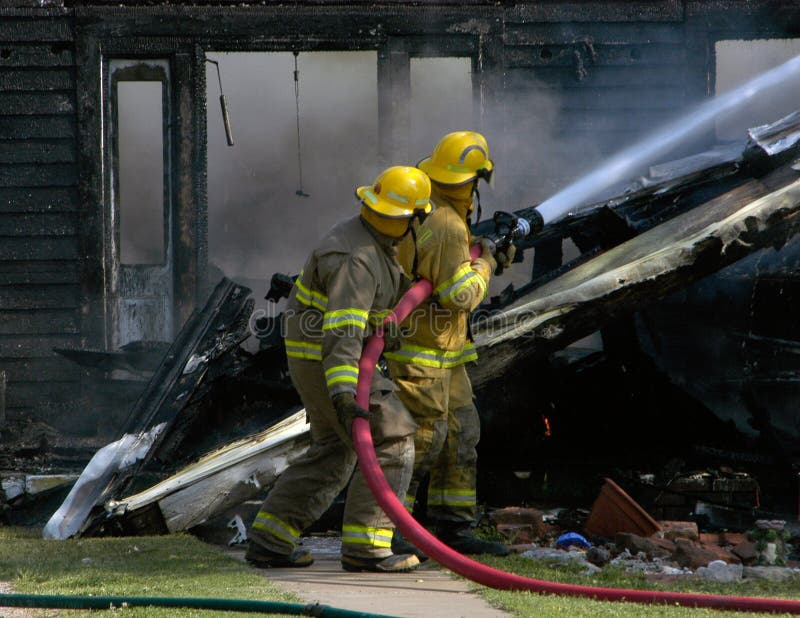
679, 530
710, 538
692, 555
733, 538
723, 554
746, 550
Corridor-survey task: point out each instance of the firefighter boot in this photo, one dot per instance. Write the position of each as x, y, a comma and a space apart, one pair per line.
460, 537
401, 545
396, 563
263, 558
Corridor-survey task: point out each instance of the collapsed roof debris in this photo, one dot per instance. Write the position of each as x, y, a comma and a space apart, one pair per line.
154, 423
674, 232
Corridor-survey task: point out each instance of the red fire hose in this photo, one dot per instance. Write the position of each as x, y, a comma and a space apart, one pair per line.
475, 571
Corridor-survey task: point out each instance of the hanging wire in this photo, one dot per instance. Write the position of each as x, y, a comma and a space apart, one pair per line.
299, 192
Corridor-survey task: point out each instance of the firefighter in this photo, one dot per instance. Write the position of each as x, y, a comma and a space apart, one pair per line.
429, 368
348, 285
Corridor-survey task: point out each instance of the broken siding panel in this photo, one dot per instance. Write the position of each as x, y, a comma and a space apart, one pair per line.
44, 199
37, 127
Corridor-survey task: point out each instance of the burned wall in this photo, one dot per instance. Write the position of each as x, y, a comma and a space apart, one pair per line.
558, 86
39, 210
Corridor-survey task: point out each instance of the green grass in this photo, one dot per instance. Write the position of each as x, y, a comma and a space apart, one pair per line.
542, 606
164, 566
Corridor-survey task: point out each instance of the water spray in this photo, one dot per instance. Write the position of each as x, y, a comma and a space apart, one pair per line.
620, 166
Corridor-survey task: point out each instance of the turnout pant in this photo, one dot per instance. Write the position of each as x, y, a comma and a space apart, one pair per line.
309, 485
440, 400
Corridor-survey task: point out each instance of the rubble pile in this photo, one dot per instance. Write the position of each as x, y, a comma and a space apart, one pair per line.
769, 551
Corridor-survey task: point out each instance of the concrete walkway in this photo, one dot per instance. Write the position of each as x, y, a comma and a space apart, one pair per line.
428, 591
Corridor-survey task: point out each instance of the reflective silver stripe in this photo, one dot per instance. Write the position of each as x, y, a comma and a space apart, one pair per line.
366, 535
308, 296
267, 522
451, 497
304, 350
399, 198
370, 196
469, 149
463, 282
347, 374
345, 317
457, 277
429, 357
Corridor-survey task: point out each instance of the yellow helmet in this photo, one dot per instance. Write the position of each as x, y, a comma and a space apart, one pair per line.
398, 194
458, 158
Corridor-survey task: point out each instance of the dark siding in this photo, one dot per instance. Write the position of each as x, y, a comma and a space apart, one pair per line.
39, 287
602, 72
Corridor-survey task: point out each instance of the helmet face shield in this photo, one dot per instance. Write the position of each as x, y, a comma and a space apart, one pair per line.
420, 214
487, 174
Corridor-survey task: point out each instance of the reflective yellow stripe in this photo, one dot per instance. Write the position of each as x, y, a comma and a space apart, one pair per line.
345, 317
458, 168
310, 297
377, 317
431, 357
366, 535
482, 265
267, 522
303, 349
469, 354
461, 273
451, 497
467, 279
347, 374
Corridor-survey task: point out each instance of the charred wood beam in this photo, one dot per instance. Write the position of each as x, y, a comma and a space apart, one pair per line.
216, 482
639, 272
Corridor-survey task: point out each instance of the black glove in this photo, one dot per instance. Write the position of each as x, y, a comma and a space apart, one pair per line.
347, 409
392, 336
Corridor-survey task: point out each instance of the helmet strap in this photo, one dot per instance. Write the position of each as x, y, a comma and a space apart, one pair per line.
478, 200
415, 263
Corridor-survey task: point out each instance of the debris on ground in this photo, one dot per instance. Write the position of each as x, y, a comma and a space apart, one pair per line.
769, 550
